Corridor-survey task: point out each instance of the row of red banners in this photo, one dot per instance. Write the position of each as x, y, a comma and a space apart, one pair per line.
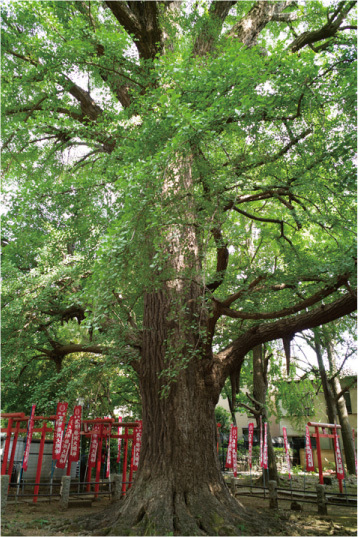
66, 445
231, 460
337, 450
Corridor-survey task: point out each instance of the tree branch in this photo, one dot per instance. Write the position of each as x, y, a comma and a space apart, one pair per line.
212, 26
235, 296
140, 19
327, 31
249, 27
310, 301
249, 408
228, 359
222, 259
277, 155
345, 389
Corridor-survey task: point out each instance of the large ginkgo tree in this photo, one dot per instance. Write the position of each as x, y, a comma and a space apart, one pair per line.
180, 189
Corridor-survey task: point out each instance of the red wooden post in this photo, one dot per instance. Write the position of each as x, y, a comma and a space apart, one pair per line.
69, 463
131, 464
13, 449
39, 461
99, 462
7, 446
93, 443
124, 469
318, 444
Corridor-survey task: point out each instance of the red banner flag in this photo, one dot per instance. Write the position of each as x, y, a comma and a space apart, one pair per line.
228, 463
284, 431
119, 440
234, 450
59, 429
94, 446
251, 441
76, 435
231, 456
137, 445
261, 444
309, 452
354, 448
108, 465
265, 450
28, 439
66, 444
339, 461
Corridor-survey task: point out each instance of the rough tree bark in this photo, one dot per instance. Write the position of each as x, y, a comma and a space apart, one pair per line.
260, 383
346, 430
328, 394
179, 488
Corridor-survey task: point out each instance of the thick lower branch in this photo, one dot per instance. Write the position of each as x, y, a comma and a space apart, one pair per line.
231, 357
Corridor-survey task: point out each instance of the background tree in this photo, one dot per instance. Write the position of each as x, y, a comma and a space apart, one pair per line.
335, 344
163, 197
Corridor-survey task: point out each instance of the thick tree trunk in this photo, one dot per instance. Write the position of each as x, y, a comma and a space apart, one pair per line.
347, 437
178, 488
328, 394
260, 392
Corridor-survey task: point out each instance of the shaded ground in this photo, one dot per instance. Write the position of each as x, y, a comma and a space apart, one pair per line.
46, 519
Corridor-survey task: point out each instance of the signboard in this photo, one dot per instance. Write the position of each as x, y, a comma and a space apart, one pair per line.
59, 430
28, 439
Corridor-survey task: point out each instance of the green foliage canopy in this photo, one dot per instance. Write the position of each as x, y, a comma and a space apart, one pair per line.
93, 128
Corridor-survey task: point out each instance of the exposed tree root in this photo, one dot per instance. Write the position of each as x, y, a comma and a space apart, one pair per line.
151, 511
